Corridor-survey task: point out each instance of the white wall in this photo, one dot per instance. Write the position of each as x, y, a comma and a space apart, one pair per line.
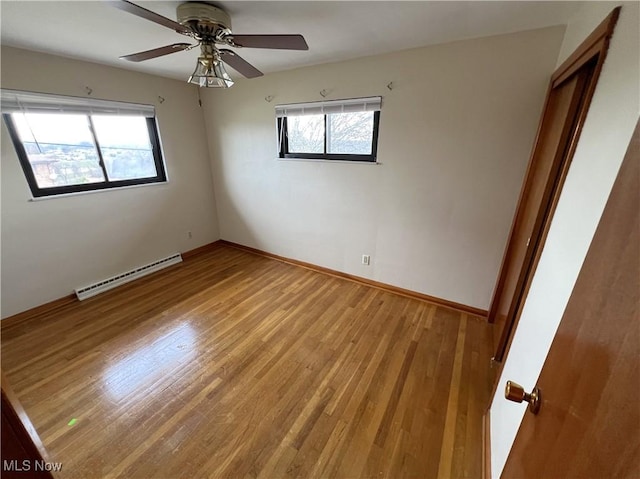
52, 246
607, 131
455, 136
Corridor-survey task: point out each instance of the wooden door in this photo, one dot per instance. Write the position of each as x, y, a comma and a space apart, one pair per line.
570, 92
589, 422
23, 455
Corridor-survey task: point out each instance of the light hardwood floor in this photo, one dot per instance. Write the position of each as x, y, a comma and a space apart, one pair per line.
234, 365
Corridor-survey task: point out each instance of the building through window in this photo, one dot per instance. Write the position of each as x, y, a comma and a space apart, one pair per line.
69, 145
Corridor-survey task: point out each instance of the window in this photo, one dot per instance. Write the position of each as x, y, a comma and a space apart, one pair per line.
330, 130
69, 145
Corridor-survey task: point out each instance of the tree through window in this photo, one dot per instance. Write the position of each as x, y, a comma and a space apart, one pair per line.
341, 130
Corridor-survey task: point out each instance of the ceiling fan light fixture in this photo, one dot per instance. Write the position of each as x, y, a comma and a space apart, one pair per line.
209, 26
210, 73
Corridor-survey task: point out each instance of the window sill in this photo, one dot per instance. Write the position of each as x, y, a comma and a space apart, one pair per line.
90, 192
318, 160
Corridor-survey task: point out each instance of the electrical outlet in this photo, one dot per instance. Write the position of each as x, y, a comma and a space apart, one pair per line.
366, 259
189, 235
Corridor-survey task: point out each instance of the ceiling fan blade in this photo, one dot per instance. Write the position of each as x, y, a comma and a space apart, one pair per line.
141, 12
283, 42
239, 64
156, 52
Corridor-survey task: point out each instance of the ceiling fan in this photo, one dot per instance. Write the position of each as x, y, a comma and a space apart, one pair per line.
209, 26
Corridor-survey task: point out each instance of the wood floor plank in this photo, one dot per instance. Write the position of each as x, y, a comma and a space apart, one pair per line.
446, 451
237, 366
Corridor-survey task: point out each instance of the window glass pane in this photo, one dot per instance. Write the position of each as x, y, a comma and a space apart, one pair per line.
306, 134
125, 146
350, 133
60, 148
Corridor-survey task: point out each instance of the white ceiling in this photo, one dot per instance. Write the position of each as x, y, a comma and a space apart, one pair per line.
334, 30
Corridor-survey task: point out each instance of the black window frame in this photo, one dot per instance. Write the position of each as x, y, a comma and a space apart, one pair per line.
39, 192
283, 146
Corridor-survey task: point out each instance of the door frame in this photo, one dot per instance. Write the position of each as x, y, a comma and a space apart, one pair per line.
591, 52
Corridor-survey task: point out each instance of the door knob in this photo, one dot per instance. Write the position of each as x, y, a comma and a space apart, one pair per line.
516, 393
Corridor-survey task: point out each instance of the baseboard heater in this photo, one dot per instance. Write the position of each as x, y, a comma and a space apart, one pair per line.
110, 283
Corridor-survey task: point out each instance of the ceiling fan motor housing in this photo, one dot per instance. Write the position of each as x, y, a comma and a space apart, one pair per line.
206, 20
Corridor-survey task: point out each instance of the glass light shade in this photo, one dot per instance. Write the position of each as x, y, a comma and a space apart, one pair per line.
210, 73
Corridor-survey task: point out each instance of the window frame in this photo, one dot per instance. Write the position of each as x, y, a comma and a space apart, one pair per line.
39, 192
283, 143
